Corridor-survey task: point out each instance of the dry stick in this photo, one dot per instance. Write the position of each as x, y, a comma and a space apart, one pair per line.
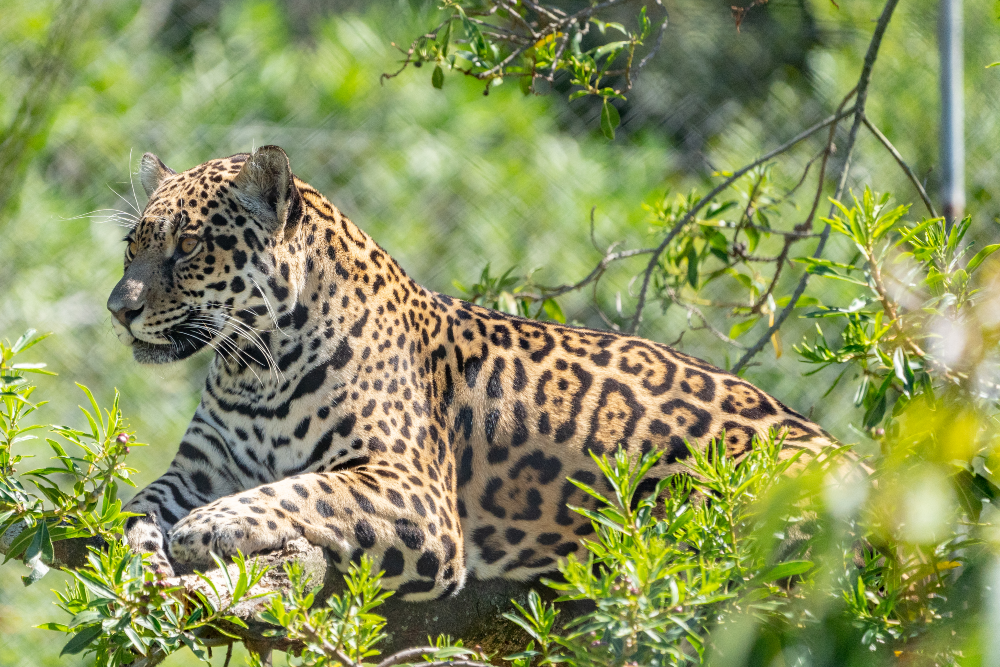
902, 163
859, 113
805, 134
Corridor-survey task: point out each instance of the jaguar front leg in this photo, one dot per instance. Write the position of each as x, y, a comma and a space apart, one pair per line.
187, 484
147, 532
411, 535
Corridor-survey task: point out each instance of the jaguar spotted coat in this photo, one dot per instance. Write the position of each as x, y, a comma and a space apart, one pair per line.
349, 405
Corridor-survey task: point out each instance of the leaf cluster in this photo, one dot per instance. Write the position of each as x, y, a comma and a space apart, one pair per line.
78, 497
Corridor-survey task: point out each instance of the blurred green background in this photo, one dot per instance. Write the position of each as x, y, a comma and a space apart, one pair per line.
446, 180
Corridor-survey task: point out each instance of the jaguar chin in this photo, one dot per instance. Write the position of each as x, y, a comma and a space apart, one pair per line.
184, 346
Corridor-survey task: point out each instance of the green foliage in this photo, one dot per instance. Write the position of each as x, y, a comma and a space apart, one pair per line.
344, 631
345, 627
659, 580
910, 281
510, 294
118, 607
77, 497
121, 609
493, 40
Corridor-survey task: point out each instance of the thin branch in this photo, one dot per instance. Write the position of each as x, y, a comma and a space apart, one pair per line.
694, 311
420, 651
516, 16
859, 112
805, 134
902, 163
659, 39
792, 234
552, 292
806, 224
413, 48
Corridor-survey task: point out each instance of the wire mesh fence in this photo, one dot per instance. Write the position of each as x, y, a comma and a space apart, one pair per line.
447, 180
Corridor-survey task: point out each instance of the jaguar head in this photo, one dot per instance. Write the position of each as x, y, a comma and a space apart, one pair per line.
211, 244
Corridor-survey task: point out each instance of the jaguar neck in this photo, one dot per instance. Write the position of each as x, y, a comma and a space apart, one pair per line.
323, 287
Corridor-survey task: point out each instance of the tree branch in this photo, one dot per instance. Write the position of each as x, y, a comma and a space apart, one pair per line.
859, 114
902, 164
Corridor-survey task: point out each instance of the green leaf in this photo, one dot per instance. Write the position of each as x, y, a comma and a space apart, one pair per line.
874, 414
692, 266
437, 79
610, 47
27, 340
136, 640
974, 489
476, 39
787, 569
58, 627
901, 365
17, 546
804, 301
82, 640
609, 119
525, 83
93, 403
553, 310
980, 256
741, 328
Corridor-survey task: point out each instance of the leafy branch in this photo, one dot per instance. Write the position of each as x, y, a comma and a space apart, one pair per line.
496, 39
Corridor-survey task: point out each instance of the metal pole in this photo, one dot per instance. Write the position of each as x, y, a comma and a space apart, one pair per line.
952, 111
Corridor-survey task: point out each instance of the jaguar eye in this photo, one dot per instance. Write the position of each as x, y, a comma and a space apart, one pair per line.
188, 244
133, 248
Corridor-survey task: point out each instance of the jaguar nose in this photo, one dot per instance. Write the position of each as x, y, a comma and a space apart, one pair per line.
126, 316
127, 301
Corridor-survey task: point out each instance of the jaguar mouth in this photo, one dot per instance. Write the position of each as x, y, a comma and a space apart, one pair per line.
185, 340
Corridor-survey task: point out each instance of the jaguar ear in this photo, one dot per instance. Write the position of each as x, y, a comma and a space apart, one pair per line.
152, 172
266, 187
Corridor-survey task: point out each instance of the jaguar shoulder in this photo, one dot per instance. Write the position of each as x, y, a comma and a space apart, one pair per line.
349, 405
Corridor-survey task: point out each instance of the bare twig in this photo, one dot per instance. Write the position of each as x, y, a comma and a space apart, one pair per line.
806, 224
694, 311
413, 48
902, 164
858, 111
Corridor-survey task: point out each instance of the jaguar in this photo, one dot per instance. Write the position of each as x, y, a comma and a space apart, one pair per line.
349, 405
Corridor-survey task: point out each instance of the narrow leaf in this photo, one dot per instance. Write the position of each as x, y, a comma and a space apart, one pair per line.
609, 119
82, 640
